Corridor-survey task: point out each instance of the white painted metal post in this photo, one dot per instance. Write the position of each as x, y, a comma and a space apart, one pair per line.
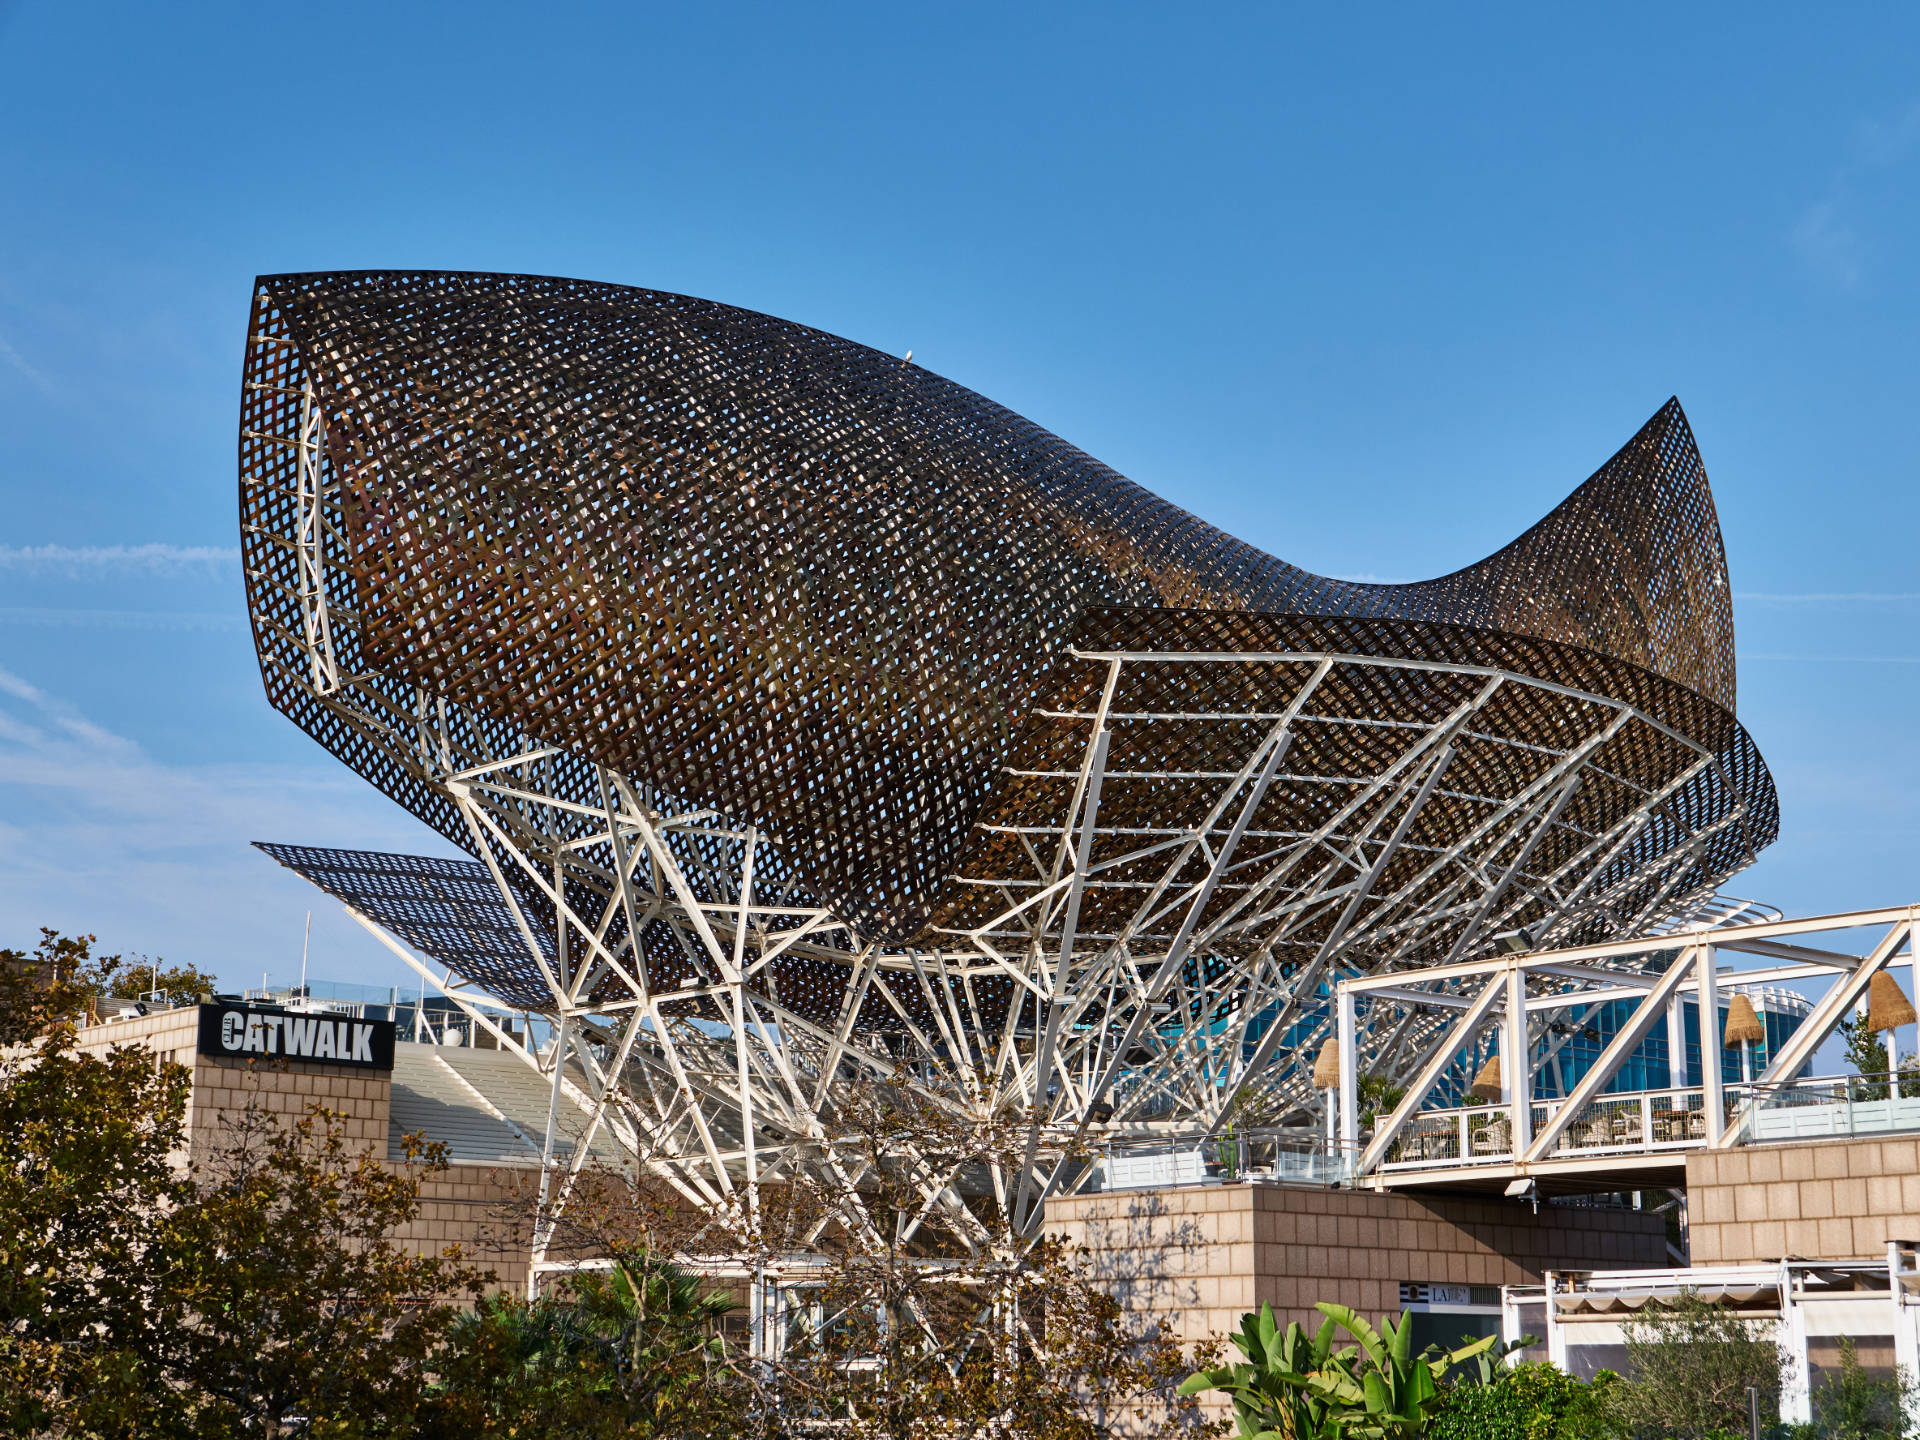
1556, 1332
1796, 1388
1510, 1330
1711, 1100
1892, 1036
1676, 1045
1906, 1315
542, 1217
1349, 1072
1516, 1072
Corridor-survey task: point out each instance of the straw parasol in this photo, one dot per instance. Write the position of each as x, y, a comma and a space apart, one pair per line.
1326, 1070
1486, 1084
1887, 1004
1743, 1024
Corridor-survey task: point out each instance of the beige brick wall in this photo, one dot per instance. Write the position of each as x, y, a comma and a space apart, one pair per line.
1825, 1200
223, 1087
477, 1208
467, 1205
1198, 1258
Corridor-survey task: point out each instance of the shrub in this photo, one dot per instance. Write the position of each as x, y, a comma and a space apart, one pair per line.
1690, 1364
1530, 1402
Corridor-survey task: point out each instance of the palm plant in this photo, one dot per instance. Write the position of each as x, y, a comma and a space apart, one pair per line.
1292, 1387
1271, 1390
1392, 1395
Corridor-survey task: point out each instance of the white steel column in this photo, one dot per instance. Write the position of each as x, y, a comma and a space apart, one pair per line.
1677, 1045
1349, 1071
543, 1220
1796, 1384
1556, 1332
1711, 1099
1904, 1264
1516, 1072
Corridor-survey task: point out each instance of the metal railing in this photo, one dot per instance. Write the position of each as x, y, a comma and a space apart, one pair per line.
1652, 1121
1831, 1106
1294, 1156
1639, 1122
1634, 1124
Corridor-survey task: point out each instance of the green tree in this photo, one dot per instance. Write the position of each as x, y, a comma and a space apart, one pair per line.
634, 1352
1530, 1401
301, 1310
255, 1294
1272, 1386
1866, 1051
1854, 1405
1292, 1388
1690, 1364
64, 966
136, 977
85, 1178
897, 1331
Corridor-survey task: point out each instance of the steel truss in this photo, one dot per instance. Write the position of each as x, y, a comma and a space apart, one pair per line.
1509, 1007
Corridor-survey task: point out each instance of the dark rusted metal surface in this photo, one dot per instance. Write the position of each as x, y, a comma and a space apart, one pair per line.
828, 592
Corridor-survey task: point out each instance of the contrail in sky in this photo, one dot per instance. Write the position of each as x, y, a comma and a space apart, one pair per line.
89, 560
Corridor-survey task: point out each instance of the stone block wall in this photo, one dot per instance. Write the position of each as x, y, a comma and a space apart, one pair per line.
477, 1208
467, 1205
223, 1087
1198, 1258
1821, 1200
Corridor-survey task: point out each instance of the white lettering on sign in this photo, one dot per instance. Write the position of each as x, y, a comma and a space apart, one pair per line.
300, 1035
242, 1032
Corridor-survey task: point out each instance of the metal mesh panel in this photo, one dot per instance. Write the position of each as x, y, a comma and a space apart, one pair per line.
450, 910
822, 589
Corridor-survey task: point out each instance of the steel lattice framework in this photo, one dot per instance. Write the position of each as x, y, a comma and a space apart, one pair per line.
813, 720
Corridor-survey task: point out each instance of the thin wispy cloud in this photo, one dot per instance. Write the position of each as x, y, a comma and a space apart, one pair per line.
1829, 244
99, 836
1828, 597
1836, 659
86, 561
19, 364
1829, 234
45, 618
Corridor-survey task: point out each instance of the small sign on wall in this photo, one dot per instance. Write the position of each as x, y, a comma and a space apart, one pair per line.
237, 1031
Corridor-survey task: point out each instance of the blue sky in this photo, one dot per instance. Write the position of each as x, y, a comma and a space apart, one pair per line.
1371, 292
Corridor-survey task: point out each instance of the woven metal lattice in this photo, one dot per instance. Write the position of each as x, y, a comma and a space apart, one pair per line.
449, 909
823, 589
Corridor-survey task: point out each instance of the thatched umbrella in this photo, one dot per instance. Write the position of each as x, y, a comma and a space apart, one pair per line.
1486, 1085
1326, 1076
1743, 1028
1887, 1009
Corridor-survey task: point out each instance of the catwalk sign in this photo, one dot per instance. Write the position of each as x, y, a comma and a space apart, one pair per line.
250, 1032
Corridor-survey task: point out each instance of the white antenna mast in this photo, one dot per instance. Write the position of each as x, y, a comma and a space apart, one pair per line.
305, 942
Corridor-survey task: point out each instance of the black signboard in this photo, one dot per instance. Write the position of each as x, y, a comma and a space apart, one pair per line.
239, 1031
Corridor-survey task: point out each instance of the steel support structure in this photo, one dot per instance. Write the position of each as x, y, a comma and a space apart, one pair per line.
1144, 966
1520, 993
